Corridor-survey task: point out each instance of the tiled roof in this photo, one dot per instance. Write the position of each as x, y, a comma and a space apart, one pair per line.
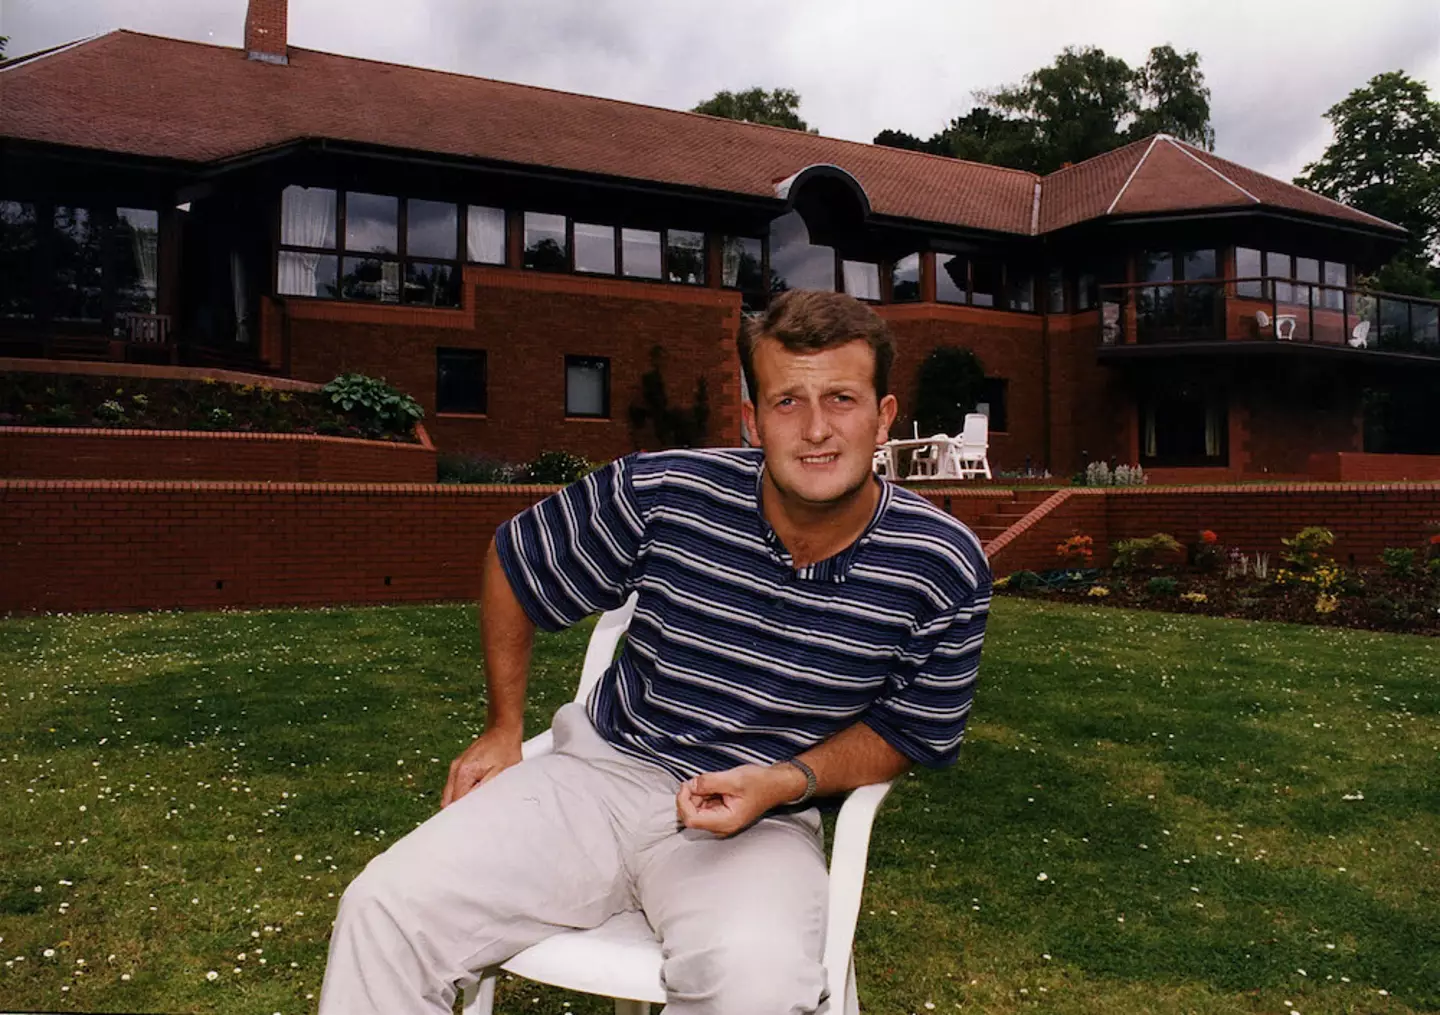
152, 96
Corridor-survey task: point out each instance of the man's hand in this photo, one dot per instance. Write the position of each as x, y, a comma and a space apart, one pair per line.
491, 753
731, 801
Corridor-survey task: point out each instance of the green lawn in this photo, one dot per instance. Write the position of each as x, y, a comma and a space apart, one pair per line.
1153, 813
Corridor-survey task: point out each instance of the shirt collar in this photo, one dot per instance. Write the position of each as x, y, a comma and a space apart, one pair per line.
834, 567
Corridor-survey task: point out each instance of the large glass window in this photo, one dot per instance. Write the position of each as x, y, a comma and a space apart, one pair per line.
485, 235
587, 386
1307, 269
546, 248
431, 229
741, 263
640, 253
685, 256
1335, 281
985, 279
905, 279
594, 248
862, 279
372, 223
795, 262
307, 217
370, 279
460, 381
19, 242
1278, 266
137, 234
1086, 291
952, 278
1055, 291
1183, 426
1249, 263
1019, 289
432, 283
77, 263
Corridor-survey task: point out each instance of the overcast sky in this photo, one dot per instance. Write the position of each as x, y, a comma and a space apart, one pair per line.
1273, 66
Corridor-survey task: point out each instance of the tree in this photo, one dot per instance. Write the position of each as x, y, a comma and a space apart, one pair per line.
3, 40
778, 108
949, 384
1084, 104
1385, 160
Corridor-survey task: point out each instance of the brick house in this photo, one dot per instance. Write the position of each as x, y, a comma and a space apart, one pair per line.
519, 258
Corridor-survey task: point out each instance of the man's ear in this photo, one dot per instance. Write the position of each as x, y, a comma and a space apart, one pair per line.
747, 413
888, 408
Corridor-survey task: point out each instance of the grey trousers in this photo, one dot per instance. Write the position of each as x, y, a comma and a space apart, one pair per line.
568, 840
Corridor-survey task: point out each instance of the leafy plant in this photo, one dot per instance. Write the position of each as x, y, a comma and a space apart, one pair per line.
555, 467
220, 418
1162, 586
1134, 553
110, 411
1025, 581
1304, 551
1128, 475
674, 427
1097, 474
474, 469
1399, 561
949, 384
1077, 550
1262, 565
374, 402
1206, 553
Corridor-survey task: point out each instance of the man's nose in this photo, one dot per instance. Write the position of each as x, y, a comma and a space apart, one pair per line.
817, 424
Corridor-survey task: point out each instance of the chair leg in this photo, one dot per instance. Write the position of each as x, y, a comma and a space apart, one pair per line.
627, 1007
480, 996
852, 994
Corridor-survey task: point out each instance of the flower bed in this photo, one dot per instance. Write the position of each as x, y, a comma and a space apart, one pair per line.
1401, 592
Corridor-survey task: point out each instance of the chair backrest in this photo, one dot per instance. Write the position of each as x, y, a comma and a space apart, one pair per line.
1262, 318
600, 653
977, 430
1361, 332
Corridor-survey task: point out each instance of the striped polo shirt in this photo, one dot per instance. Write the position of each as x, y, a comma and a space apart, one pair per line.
734, 655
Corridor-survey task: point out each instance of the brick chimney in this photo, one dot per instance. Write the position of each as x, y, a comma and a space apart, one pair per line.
265, 31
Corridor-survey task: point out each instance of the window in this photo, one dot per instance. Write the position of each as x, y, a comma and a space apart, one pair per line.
1055, 291
1335, 276
587, 387
1278, 266
1019, 289
546, 248
862, 279
378, 261
1307, 269
905, 279
594, 248
460, 381
640, 253
485, 235
985, 279
1086, 292
1184, 426
1249, 264
685, 256
741, 262
952, 283
795, 262
77, 264
137, 232
992, 403
19, 240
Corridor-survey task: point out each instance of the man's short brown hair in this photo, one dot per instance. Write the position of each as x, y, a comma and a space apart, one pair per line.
809, 320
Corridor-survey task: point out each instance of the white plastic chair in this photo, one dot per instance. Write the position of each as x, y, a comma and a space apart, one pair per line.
926, 460
1360, 337
621, 958
1284, 324
883, 462
968, 455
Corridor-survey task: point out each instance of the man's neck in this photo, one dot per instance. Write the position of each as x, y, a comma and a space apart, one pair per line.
813, 532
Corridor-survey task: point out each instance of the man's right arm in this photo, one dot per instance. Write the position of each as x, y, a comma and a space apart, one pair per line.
506, 635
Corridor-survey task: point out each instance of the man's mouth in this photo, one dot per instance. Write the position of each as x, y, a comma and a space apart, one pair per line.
824, 459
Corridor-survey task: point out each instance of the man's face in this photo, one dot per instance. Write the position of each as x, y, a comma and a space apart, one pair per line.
816, 416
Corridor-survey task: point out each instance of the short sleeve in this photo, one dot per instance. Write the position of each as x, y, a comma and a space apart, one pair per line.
573, 553
923, 712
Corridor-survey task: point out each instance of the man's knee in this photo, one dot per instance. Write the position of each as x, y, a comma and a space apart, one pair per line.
747, 972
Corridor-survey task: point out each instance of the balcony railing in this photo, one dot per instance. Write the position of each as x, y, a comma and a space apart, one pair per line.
1268, 309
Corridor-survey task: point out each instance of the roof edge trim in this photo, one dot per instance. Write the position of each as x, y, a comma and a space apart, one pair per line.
1131, 178
28, 58
1199, 161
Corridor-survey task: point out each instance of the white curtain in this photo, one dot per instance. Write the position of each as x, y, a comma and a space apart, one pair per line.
307, 219
862, 279
239, 294
146, 261
1149, 435
1213, 422
485, 235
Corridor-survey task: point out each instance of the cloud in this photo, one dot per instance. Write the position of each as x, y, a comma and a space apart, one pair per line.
1273, 68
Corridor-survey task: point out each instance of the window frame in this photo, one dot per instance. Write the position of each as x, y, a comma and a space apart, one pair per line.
1002, 385
483, 356
578, 360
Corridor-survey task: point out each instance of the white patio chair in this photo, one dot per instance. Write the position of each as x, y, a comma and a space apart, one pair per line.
883, 462
925, 460
968, 455
621, 959
1360, 337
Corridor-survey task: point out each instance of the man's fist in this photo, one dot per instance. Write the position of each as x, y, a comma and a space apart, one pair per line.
731, 801
492, 752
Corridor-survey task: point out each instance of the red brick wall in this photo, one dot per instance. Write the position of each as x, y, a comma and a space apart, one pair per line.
125, 546
90, 453
527, 322
1356, 467
1092, 414
1009, 345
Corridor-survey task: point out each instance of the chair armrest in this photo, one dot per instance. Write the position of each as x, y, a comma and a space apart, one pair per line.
541, 743
847, 880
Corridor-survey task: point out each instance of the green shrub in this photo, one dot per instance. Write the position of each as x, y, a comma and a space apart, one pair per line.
220, 418
555, 467
1305, 550
376, 404
1024, 581
1132, 553
1161, 586
110, 411
1399, 561
474, 469
950, 382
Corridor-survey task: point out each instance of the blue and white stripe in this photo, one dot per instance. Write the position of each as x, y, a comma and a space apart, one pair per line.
733, 655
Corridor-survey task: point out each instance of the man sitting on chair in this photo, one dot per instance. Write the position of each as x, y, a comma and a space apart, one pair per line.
802, 629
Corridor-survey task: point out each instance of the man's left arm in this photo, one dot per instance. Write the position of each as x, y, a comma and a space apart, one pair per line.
730, 801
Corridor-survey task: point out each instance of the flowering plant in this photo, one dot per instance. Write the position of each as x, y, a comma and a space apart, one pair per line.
1077, 550
1207, 554
1097, 592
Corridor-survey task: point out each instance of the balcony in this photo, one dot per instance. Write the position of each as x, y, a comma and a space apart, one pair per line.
1222, 315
